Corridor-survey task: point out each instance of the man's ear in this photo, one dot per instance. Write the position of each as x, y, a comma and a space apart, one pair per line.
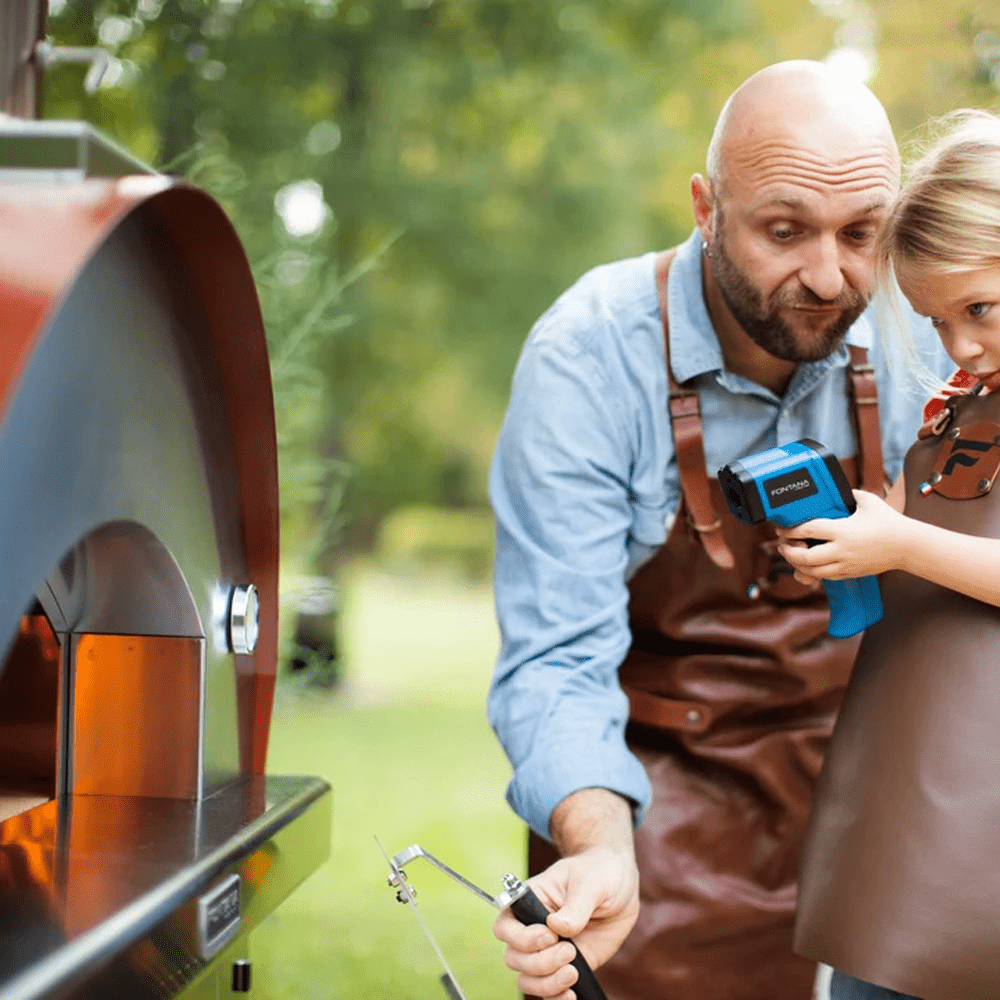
703, 203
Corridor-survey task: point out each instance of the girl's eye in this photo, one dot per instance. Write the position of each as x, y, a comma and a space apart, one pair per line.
979, 309
936, 321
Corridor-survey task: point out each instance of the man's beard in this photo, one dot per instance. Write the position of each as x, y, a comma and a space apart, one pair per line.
763, 322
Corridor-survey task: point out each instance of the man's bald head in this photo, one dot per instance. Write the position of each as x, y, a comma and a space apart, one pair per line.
802, 102
803, 170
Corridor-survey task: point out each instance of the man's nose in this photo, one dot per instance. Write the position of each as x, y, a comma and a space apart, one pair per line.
821, 272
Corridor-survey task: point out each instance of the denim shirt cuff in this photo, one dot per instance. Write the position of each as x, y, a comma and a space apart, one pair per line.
543, 780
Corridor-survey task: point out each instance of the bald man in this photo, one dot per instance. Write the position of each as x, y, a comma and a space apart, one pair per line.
665, 689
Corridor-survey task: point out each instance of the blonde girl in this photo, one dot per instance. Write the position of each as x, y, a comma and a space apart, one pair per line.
900, 885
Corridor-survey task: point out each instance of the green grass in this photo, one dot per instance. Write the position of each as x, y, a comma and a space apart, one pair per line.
411, 758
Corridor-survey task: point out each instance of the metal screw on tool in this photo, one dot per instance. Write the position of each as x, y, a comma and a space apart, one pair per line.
511, 883
244, 619
241, 975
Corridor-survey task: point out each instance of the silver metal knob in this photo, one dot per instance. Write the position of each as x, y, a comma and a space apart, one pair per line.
244, 619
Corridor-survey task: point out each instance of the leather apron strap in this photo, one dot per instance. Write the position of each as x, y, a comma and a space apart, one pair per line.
868, 430
685, 421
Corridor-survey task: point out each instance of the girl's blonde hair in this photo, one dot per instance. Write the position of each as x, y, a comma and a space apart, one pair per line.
947, 215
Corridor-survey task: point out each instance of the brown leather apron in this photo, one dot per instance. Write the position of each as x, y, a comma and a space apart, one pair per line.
732, 701
901, 872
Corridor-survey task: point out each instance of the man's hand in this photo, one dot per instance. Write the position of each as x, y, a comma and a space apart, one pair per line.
593, 892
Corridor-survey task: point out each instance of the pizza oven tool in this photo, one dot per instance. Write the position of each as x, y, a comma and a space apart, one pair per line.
523, 903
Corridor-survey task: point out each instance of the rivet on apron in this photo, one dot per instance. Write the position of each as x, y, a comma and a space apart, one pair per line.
926, 488
753, 591
694, 716
954, 432
983, 485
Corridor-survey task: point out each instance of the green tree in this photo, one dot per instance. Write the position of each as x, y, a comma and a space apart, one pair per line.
474, 155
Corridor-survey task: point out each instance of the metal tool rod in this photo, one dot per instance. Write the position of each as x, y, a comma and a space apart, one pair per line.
405, 895
416, 851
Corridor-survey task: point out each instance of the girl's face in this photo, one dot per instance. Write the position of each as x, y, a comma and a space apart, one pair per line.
965, 311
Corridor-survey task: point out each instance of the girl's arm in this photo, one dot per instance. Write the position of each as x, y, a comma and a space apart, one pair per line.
896, 495
878, 537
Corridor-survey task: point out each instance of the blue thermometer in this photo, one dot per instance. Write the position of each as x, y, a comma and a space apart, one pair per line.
794, 483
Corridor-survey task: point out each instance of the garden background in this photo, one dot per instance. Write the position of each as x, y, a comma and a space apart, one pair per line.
414, 182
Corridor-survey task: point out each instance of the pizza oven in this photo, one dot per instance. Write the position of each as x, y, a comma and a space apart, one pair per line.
140, 837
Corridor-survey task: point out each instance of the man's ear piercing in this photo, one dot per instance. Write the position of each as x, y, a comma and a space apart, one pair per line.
707, 251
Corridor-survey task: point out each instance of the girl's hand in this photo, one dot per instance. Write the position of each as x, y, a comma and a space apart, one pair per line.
872, 540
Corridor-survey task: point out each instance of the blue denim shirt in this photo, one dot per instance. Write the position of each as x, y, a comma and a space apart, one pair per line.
584, 487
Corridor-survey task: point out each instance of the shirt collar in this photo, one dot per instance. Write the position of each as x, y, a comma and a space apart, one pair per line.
694, 347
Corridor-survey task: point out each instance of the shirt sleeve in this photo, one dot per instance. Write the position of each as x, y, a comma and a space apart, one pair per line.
559, 485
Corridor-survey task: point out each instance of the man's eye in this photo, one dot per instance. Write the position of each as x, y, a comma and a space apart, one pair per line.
783, 233
979, 309
860, 235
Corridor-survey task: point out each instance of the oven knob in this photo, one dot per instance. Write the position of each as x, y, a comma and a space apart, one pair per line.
244, 619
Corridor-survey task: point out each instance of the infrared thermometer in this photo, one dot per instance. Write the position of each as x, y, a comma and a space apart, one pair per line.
794, 483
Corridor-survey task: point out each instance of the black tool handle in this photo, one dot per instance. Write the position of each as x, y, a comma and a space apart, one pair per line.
529, 909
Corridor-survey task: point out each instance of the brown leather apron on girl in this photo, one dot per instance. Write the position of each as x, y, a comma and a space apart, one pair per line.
901, 872
732, 702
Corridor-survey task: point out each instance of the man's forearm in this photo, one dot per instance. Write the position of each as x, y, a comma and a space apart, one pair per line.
592, 817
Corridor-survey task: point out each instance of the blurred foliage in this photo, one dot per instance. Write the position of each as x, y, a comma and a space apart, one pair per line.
477, 156
470, 158
459, 542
